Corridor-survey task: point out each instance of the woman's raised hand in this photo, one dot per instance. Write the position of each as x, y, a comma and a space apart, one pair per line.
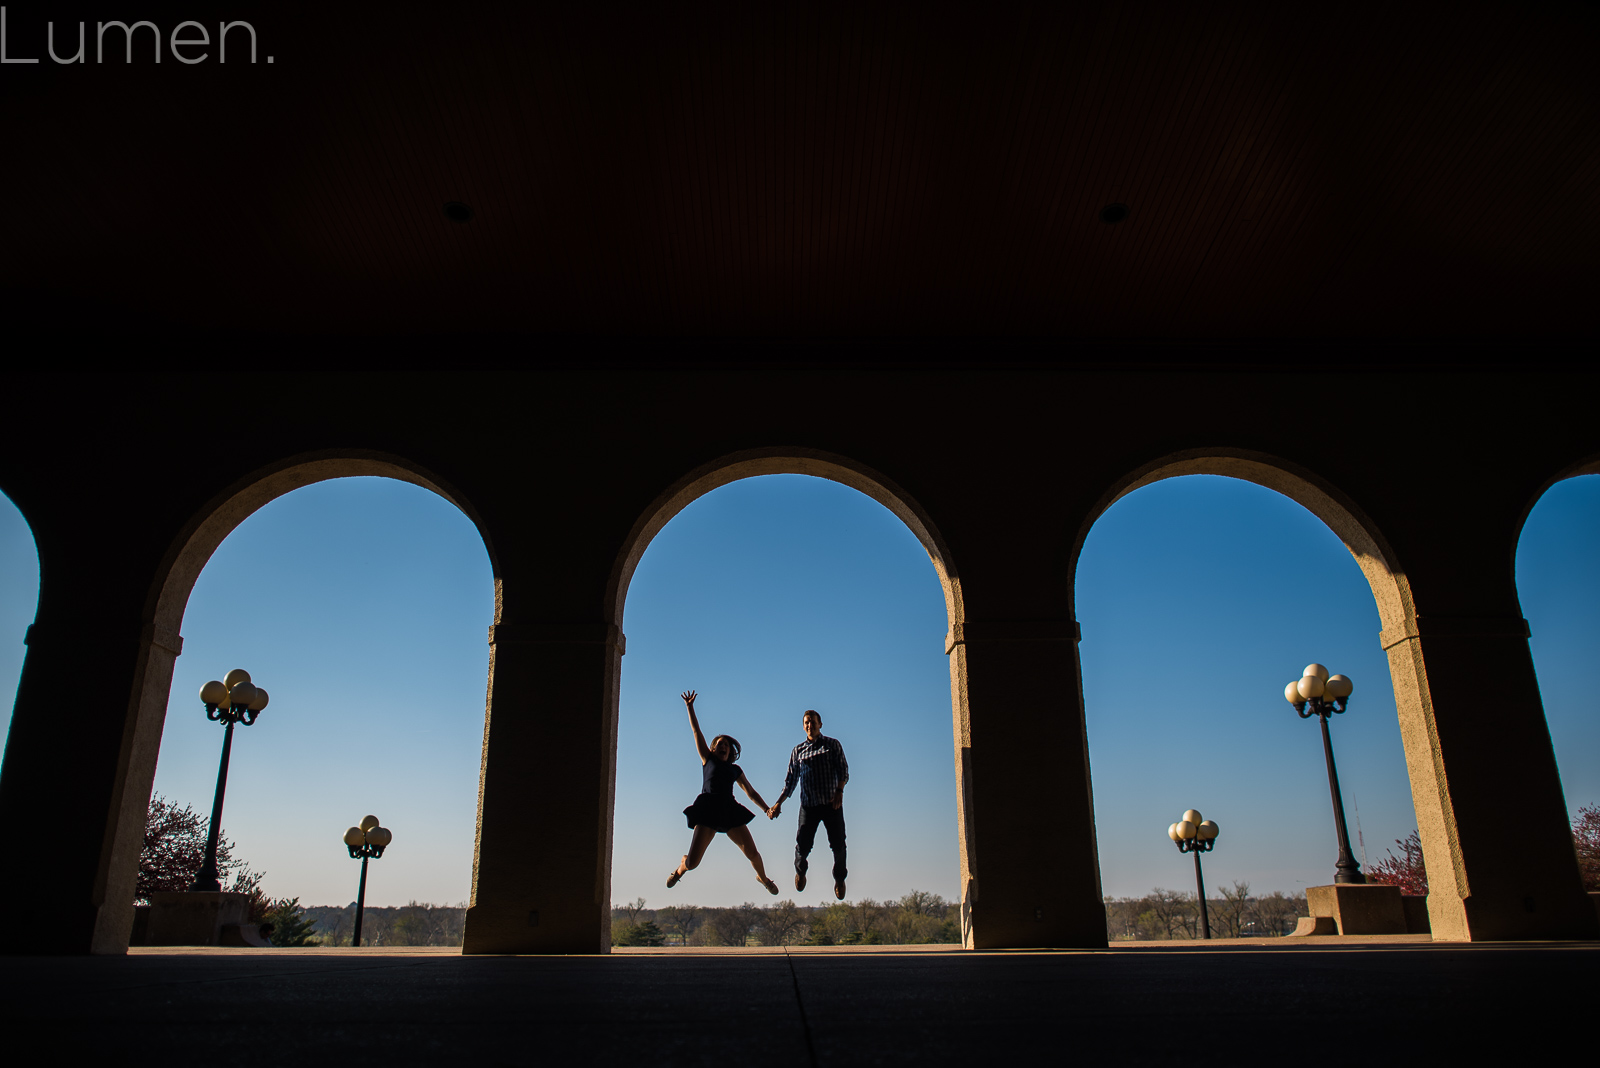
688, 697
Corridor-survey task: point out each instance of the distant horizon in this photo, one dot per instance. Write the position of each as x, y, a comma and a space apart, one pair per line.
371, 599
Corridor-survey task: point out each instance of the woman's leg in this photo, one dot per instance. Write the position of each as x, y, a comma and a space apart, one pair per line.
741, 838
697, 849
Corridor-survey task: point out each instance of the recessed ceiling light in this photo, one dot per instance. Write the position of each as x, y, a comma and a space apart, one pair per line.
456, 211
1113, 213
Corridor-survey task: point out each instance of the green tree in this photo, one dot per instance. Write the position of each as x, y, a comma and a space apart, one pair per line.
917, 918
639, 934
291, 926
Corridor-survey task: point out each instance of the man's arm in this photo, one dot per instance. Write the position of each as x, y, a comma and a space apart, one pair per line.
788, 783
844, 767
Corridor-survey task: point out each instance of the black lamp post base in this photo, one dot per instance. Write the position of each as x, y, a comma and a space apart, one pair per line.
206, 881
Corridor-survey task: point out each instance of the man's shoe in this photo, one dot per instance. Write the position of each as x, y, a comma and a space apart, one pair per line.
838, 889
799, 881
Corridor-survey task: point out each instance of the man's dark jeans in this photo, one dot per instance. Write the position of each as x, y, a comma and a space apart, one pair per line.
831, 818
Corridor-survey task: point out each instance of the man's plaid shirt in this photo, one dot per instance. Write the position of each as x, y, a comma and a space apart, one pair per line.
821, 770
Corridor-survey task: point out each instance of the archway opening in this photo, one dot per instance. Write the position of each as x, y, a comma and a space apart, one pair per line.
19, 599
771, 595
361, 604
1558, 585
1198, 597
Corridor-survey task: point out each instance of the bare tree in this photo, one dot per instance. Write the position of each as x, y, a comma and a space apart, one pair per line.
1230, 912
732, 926
1173, 911
678, 919
924, 902
866, 921
1273, 912
631, 910
783, 924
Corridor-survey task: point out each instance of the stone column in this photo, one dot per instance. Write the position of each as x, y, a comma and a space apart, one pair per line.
79, 763
1030, 866
541, 880
1490, 811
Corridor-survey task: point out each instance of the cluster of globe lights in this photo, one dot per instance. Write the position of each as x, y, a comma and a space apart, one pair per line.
235, 697
1318, 688
369, 839
1194, 831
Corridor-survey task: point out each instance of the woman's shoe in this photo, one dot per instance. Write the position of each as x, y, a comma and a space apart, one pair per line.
672, 880
772, 887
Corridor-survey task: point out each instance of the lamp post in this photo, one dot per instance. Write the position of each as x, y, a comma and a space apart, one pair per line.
1321, 695
233, 700
366, 842
1196, 836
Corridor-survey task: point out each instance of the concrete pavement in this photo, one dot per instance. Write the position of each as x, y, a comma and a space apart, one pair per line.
1152, 1003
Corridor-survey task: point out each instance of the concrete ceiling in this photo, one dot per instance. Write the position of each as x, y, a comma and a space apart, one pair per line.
1289, 171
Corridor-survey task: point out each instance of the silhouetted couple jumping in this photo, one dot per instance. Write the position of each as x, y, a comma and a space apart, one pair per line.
817, 765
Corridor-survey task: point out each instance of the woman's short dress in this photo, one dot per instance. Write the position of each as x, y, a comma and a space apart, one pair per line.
715, 807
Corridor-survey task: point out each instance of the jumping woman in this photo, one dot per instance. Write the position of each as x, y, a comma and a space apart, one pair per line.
715, 811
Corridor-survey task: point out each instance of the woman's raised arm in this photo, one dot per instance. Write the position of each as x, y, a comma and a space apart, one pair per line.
694, 725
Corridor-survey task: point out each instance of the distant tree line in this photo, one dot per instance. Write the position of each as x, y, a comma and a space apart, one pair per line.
175, 839
418, 923
1166, 915
918, 918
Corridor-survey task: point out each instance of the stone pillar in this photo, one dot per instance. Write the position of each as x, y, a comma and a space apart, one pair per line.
76, 791
1030, 865
1490, 811
541, 880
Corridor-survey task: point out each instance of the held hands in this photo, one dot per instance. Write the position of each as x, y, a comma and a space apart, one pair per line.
772, 813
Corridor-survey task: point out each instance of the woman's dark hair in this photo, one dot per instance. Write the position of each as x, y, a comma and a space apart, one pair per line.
733, 746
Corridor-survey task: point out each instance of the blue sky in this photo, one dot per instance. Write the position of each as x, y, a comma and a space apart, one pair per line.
370, 601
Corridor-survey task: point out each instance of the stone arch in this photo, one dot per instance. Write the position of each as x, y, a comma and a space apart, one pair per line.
1589, 465
37, 577
1318, 496
161, 642
779, 461
1437, 823
805, 461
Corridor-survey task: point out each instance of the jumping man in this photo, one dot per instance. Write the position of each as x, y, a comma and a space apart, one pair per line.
819, 766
